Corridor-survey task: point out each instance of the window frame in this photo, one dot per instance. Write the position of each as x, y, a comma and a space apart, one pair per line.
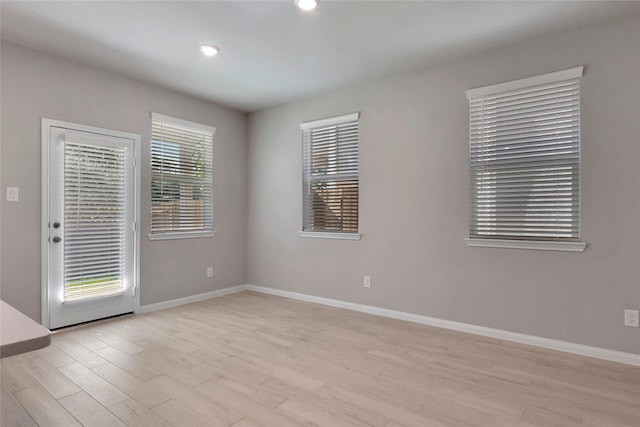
173, 235
307, 127
526, 242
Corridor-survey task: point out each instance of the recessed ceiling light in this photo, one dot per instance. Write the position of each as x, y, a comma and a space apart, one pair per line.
307, 4
209, 50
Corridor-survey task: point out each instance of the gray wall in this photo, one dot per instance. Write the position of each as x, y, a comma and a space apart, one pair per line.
36, 85
414, 198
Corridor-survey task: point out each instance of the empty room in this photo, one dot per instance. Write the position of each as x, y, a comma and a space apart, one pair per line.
320, 213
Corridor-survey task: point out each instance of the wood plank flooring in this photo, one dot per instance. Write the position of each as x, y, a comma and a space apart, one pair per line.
250, 360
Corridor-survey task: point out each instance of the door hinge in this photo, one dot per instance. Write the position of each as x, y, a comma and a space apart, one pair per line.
134, 226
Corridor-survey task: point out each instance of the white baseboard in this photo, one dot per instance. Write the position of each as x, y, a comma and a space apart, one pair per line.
567, 347
147, 308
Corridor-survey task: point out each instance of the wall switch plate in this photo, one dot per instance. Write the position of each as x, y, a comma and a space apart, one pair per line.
367, 281
13, 194
209, 271
632, 318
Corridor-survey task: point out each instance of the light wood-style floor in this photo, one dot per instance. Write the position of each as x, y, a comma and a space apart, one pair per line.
249, 360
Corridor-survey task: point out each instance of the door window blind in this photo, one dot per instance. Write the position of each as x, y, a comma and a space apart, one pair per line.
330, 174
94, 220
525, 158
181, 178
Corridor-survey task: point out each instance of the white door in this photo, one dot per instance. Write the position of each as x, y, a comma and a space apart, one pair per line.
90, 227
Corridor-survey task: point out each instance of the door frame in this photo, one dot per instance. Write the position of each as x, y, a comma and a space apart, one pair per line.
47, 124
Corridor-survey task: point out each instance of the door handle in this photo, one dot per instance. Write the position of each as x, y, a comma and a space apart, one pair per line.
57, 239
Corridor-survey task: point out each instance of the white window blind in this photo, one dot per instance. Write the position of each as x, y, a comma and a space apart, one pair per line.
181, 178
525, 158
330, 174
94, 220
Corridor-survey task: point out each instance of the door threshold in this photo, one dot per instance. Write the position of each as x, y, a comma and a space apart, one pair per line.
90, 322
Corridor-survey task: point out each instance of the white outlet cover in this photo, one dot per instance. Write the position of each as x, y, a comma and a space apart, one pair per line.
367, 281
632, 318
13, 194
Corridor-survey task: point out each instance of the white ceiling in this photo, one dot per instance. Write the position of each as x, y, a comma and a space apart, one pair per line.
271, 52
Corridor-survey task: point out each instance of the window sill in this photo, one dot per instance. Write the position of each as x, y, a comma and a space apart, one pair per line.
175, 236
527, 244
324, 235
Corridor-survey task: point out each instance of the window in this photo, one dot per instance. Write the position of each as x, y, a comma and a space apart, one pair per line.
524, 154
97, 212
181, 178
330, 177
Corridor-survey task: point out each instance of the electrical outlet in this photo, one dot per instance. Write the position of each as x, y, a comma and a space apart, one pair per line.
631, 318
209, 271
13, 194
367, 281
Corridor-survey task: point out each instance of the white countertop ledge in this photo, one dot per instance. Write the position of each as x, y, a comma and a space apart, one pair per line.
19, 333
